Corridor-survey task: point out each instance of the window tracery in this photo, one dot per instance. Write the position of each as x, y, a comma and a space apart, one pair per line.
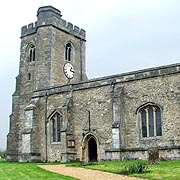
151, 121
31, 55
68, 52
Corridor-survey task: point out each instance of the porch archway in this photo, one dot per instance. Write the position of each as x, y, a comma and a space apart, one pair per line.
90, 148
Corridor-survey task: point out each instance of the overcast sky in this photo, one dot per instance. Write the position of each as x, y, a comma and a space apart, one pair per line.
122, 36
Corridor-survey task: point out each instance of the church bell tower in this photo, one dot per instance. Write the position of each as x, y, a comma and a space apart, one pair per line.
55, 48
52, 54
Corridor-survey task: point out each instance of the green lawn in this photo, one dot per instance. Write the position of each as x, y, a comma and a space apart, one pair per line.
27, 171
165, 170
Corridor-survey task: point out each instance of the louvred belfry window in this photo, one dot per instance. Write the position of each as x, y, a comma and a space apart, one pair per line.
68, 52
32, 53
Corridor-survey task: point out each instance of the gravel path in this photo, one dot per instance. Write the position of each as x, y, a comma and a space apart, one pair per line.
85, 174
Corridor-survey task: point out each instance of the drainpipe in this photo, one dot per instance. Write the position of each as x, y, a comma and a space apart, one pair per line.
89, 120
45, 123
112, 96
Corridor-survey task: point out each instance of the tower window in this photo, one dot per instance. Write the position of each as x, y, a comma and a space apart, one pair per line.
29, 76
56, 128
151, 121
68, 52
32, 53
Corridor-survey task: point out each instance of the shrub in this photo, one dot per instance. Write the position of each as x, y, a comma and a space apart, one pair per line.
136, 168
2, 153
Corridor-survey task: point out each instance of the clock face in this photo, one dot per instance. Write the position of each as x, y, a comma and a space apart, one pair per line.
68, 70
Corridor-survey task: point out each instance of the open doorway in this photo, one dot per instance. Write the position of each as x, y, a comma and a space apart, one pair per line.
92, 149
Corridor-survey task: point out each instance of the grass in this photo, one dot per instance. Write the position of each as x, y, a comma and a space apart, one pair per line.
27, 171
165, 170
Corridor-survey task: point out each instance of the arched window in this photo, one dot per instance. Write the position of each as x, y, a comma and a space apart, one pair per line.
31, 53
151, 121
56, 127
68, 52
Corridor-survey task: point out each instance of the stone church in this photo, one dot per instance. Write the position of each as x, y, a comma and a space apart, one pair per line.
58, 114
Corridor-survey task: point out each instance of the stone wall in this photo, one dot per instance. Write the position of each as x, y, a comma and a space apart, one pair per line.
48, 35
115, 106
105, 109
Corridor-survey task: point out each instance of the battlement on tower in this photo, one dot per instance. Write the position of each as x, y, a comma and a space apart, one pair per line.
50, 16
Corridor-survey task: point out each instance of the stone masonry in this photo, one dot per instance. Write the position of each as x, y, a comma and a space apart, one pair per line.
101, 119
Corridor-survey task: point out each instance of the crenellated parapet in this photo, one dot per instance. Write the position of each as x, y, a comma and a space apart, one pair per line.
50, 16
31, 28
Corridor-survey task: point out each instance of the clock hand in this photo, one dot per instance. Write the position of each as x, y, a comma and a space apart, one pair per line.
72, 70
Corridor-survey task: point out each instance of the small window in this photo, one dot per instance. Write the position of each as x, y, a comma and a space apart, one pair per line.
56, 127
29, 76
32, 53
151, 122
68, 52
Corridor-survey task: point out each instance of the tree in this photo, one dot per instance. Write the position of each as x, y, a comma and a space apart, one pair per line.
2, 153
